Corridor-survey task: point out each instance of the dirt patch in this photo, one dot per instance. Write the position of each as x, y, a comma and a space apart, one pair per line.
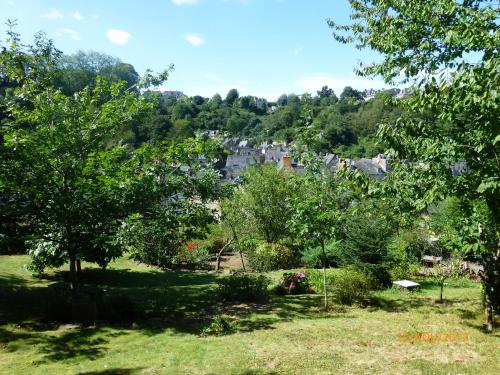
230, 261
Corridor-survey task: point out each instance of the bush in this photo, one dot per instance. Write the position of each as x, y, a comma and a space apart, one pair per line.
271, 256
193, 256
405, 250
345, 286
243, 287
365, 247
294, 283
217, 327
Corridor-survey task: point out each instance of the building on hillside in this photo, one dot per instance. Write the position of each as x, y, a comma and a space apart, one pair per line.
288, 163
376, 167
171, 94
274, 153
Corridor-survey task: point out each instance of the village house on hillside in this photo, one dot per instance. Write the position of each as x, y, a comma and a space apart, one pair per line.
243, 154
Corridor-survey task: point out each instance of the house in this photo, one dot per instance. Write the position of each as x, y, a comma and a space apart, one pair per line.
171, 94
288, 163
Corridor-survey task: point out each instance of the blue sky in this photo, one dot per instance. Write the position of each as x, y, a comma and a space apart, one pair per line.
260, 47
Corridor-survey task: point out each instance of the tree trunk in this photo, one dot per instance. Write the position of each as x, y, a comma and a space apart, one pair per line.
219, 255
324, 274
235, 237
441, 295
488, 288
79, 268
73, 276
491, 263
242, 261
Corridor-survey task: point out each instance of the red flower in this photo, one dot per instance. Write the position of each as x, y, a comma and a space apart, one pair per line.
191, 246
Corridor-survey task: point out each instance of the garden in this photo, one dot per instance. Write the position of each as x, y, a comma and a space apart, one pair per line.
193, 322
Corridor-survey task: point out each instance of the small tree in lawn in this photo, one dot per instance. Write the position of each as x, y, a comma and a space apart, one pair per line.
442, 272
319, 209
321, 199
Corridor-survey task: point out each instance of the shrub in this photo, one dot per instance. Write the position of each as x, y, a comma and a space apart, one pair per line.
404, 250
365, 247
193, 256
217, 327
243, 287
294, 283
271, 256
345, 286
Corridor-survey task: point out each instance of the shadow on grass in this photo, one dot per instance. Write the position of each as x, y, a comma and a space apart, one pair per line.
87, 343
256, 372
114, 371
178, 300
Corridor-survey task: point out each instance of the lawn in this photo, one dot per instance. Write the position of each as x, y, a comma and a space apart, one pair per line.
404, 333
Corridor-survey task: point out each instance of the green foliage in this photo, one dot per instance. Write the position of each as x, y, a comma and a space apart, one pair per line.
81, 69
80, 191
260, 208
405, 250
312, 257
345, 286
271, 256
447, 221
244, 287
218, 326
365, 246
195, 258
449, 51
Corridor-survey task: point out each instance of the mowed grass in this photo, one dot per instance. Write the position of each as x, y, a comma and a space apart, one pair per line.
403, 333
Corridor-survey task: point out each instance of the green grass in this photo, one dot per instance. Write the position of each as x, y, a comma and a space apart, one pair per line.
288, 335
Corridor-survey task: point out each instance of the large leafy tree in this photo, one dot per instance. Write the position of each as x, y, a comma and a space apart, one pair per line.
260, 208
448, 49
80, 70
79, 187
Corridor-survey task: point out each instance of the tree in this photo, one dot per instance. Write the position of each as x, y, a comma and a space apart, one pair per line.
232, 96
442, 272
364, 245
449, 50
189, 183
82, 68
325, 92
350, 93
78, 187
261, 204
318, 212
282, 100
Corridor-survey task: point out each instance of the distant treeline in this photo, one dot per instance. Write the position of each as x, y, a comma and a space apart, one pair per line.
347, 124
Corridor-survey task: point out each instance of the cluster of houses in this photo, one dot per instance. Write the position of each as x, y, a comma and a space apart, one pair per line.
242, 155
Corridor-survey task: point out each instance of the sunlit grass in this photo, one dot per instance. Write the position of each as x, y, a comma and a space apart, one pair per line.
288, 335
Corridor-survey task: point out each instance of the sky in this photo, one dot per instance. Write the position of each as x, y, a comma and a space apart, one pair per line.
260, 47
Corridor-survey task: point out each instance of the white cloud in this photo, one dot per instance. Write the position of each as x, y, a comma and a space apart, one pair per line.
185, 2
75, 35
53, 14
119, 37
11, 2
76, 15
298, 50
194, 39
